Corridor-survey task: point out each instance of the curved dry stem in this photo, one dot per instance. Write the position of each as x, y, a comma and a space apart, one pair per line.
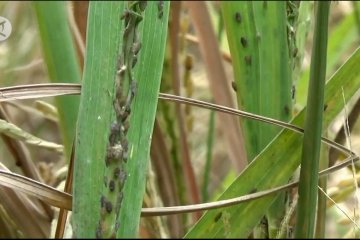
63, 200
58, 89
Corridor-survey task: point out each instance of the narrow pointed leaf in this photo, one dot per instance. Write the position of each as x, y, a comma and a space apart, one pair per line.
61, 60
274, 165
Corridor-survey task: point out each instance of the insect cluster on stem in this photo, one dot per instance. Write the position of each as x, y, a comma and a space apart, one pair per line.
118, 146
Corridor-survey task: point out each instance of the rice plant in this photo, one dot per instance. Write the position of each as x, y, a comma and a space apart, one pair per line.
200, 119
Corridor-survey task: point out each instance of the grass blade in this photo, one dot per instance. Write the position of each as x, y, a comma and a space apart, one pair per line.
148, 72
306, 209
259, 70
209, 150
62, 62
322, 199
95, 114
340, 40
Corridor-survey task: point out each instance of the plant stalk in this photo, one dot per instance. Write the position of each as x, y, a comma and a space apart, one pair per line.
306, 210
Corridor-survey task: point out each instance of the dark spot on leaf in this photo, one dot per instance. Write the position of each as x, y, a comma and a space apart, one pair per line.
126, 126
112, 185
108, 206
116, 172
254, 190
160, 9
243, 42
247, 59
122, 176
265, 4
98, 233
114, 131
125, 144
295, 52
217, 217
286, 109
293, 91
238, 17
325, 107
264, 221
142, 5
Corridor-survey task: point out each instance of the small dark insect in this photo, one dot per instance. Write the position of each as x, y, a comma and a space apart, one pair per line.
243, 42
247, 59
112, 185
290, 231
124, 112
127, 109
234, 86
121, 185
295, 52
134, 61
98, 233
125, 157
108, 206
117, 225
118, 201
115, 128
114, 152
133, 88
126, 126
117, 172
103, 201
217, 217
293, 91
136, 47
142, 5
254, 190
109, 157
287, 110
160, 9
263, 221
121, 70
125, 144
325, 107
238, 17
122, 101
122, 177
